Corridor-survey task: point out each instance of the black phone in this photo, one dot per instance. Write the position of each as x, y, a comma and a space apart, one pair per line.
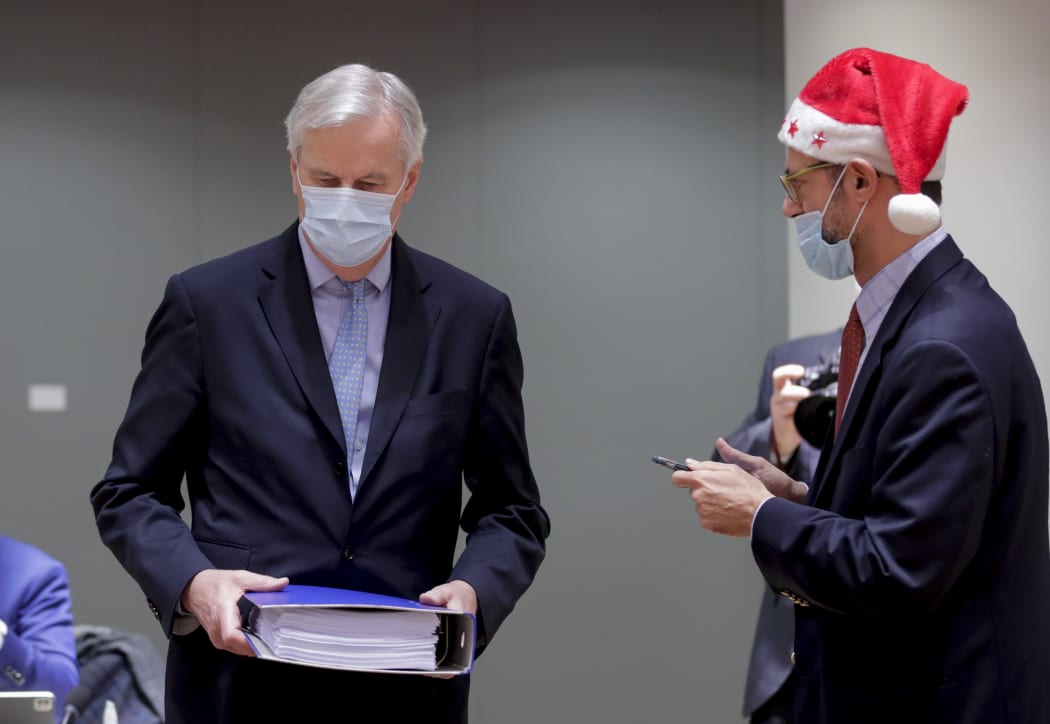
669, 463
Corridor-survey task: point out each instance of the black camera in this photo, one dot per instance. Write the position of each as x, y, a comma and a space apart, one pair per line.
815, 414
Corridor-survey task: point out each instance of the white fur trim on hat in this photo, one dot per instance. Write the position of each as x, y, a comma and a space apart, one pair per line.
818, 135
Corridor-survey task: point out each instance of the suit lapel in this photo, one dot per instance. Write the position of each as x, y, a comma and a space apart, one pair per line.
942, 258
407, 335
287, 303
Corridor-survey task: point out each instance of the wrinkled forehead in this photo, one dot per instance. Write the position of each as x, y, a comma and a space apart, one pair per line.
354, 148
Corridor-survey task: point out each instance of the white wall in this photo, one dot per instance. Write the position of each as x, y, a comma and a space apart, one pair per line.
997, 150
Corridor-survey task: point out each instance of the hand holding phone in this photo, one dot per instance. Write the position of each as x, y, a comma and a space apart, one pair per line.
669, 463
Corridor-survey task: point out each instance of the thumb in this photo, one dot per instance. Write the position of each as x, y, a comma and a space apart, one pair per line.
735, 457
437, 596
729, 453
258, 582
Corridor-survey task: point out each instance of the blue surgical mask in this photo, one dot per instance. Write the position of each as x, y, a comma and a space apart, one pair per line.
347, 226
831, 261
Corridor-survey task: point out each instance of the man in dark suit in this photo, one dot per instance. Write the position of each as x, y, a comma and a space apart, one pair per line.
918, 560
37, 646
769, 431
326, 394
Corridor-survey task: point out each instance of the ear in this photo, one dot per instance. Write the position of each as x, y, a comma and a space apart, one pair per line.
412, 180
293, 168
861, 179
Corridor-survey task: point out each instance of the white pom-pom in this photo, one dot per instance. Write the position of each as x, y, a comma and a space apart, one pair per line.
914, 214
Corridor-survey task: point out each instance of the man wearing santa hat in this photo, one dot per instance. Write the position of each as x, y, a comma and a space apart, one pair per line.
917, 557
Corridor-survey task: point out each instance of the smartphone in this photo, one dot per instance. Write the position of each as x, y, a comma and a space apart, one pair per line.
669, 463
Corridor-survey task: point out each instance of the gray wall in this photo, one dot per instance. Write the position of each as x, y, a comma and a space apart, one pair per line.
609, 164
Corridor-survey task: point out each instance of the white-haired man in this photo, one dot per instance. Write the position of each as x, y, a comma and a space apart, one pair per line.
325, 393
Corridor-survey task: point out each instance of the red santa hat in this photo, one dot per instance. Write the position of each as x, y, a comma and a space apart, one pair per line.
890, 111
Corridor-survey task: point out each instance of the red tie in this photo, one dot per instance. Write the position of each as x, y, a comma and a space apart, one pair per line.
852, 344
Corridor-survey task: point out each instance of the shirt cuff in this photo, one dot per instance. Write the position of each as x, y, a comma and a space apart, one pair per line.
755, 516
184, 623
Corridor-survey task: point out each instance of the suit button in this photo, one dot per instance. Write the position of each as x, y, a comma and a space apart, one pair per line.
348, 553
340, 468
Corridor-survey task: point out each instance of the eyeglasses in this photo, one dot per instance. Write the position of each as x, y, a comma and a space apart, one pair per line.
788, 180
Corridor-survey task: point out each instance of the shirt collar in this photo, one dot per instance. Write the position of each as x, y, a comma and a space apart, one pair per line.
320, 275
878, 294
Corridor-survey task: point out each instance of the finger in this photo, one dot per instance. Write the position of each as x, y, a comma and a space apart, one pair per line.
249, 581
794, 392
683, 479
226, 633
784, 373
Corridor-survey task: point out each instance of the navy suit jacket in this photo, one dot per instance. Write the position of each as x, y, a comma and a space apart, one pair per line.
920, 565
39, 651
235, 394
770, 662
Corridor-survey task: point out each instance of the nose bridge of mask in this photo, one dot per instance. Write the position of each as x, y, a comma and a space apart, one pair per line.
348, 204
371, 198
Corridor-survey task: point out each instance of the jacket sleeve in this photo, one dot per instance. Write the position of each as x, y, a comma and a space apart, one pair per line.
39, 650
138, 502
505, 524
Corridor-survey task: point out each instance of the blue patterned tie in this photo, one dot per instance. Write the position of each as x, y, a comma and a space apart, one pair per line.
347, 365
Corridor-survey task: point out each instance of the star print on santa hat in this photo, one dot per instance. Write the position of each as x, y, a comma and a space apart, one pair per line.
892, 112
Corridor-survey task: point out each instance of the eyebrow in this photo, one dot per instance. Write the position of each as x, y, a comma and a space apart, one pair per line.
377, 176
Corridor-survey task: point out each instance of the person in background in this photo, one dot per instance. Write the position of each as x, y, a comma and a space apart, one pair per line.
326, 395
770, 431
917, 558
37, 646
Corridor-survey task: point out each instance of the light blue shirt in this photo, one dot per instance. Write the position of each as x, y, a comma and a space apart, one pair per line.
331, 302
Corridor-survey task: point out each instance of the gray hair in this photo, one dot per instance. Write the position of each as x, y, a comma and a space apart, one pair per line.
356, 91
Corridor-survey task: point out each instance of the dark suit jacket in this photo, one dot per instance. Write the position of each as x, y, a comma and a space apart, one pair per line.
921, 564
235, 393
39, 652
770, 662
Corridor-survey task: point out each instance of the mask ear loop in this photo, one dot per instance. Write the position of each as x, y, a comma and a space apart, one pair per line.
828, 203
856, 221
832, 194
393, 224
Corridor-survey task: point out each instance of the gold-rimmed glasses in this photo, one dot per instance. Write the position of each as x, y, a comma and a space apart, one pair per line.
788, 179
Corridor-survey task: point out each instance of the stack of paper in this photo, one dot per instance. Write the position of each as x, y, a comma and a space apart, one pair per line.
351, 638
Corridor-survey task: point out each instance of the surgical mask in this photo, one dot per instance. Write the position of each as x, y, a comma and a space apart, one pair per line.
831, 261
347, 226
